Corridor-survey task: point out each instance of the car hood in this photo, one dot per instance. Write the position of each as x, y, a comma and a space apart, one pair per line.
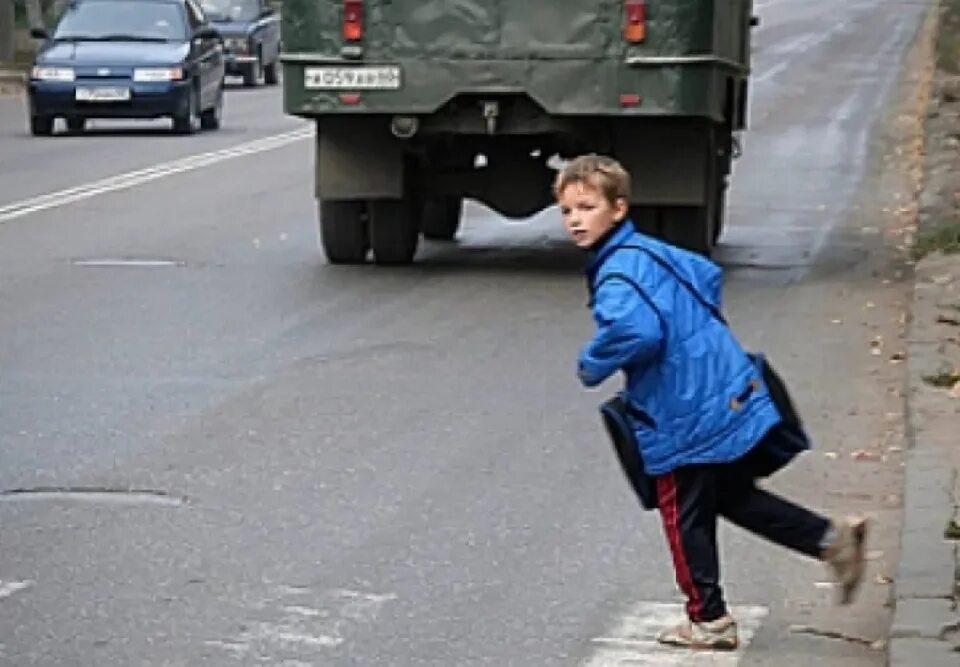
113, 53
233, 28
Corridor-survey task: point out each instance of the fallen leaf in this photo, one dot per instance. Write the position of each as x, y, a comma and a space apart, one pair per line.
883, 579
864, 455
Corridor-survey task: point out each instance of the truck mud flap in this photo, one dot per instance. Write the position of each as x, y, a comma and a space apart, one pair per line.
358, 160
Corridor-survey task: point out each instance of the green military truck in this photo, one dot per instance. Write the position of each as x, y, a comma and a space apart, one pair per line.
419, 104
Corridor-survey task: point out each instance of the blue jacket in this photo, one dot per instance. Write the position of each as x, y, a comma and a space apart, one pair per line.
695, 395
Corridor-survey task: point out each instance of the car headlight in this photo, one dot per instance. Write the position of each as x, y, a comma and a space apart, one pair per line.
41, 73
153, 74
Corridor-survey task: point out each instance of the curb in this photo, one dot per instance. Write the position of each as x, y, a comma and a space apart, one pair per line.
12, 80
926, 623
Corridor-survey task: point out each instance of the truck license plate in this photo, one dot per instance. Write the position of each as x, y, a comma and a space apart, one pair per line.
351, 78
103, 94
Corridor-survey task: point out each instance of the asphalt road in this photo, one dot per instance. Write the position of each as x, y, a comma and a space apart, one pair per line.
368, 466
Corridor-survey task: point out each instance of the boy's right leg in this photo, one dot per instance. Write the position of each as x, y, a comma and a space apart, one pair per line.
688, 504
687, 499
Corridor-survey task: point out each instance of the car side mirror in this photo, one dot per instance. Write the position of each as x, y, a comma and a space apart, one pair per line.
267, 11
39, 33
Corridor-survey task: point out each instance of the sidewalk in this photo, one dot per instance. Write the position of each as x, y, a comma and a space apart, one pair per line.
926, 626
11, 81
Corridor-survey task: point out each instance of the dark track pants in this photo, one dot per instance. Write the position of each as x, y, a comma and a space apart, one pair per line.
690, 500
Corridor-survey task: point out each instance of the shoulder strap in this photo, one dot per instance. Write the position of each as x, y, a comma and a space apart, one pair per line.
713, 310
635, 285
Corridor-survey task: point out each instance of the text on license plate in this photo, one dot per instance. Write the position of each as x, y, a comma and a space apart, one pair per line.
351, 78
103, 94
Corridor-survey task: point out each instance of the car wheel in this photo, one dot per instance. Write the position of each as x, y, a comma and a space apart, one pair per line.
76, 125
41, 126
210, 119
270, 74
189, 122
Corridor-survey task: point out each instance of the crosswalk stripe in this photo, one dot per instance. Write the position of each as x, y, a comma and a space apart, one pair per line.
632, 638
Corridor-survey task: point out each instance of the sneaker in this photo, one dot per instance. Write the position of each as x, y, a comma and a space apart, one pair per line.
847, 556
718, 635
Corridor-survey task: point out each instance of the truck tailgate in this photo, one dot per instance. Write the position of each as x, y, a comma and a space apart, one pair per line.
494, 29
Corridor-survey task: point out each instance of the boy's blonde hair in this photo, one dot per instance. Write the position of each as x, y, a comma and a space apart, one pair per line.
597, 171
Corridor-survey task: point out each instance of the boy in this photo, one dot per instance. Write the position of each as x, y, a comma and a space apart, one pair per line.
699, 408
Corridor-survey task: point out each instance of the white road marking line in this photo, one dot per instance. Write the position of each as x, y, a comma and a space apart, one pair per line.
633, 640
309, 630
8, 588
109, 262
141, 176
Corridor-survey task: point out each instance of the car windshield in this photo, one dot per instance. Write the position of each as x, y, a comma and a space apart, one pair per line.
122, 20
231, 10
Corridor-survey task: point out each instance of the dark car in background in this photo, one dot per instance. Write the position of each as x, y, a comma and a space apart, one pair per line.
128, 59
251, 37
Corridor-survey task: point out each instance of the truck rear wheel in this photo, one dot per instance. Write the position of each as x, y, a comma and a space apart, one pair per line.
441, 218
394, 230
719, 213
690, 227
343, 232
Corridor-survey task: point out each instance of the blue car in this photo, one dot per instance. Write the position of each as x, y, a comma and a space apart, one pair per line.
128, 59
251, 37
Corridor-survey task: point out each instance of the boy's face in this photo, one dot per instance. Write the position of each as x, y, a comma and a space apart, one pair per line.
587, 214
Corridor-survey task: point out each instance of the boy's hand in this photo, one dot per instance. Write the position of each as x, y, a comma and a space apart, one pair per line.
585, 378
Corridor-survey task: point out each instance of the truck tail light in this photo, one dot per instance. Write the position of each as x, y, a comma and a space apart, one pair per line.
634, 20
353, 20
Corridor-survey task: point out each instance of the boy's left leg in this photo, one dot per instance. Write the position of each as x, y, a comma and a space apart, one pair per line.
840, 543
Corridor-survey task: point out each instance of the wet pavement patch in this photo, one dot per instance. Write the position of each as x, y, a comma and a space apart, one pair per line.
96, 495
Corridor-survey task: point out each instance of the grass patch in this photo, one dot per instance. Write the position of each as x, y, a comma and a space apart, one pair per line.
948, 42
952, 531
944, 236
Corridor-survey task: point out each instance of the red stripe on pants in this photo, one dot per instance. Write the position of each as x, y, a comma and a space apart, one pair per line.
667, 493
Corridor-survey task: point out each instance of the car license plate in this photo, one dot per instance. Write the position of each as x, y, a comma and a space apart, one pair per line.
103, 94
352, 78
